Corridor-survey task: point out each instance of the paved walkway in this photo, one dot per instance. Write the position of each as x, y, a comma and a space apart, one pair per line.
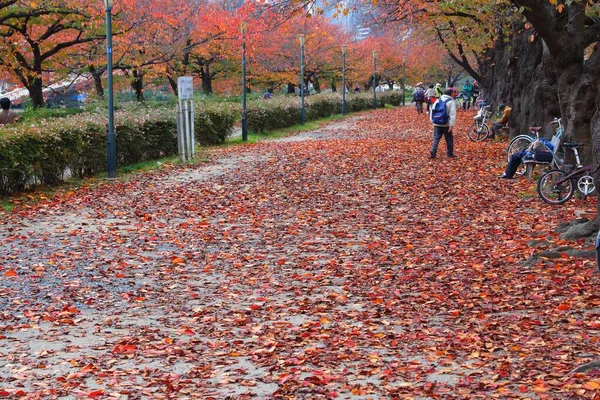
339, 263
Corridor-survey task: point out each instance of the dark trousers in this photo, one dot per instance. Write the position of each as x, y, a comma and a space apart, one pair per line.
513, 164
438, 132
496, 126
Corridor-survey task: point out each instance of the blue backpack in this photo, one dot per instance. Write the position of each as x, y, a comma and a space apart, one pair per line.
439, 114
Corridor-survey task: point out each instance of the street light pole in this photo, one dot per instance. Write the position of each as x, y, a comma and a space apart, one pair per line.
374, 79
302, 112
244, 27
404, 80
111, 137
344, 49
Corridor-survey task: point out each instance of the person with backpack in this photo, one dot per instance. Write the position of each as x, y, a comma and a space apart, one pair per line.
419, 97
443, 117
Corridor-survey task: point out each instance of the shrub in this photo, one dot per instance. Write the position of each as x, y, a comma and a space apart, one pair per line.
41, 151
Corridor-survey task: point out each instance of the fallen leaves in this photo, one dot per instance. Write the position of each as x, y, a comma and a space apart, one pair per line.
347, 265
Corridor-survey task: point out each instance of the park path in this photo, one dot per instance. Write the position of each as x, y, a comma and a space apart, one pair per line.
338, 263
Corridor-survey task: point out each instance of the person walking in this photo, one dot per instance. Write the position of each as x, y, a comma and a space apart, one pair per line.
443, 117
430, 97
6, 115
419, 97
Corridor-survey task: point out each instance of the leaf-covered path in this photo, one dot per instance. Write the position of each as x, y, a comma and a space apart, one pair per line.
341, 263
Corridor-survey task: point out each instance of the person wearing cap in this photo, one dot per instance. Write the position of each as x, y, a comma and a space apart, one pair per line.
419, 97
439, 92
501, 123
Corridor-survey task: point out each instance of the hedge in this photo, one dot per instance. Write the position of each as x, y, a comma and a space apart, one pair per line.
267, 115
43, 151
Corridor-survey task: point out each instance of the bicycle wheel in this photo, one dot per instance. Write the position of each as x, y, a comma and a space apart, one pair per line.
478, 132
553, 193
519, 143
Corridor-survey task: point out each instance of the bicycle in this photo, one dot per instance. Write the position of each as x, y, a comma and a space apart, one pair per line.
480, 129
557, 186
521, 142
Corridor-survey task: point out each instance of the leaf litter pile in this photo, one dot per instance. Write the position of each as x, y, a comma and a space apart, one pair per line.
339, 263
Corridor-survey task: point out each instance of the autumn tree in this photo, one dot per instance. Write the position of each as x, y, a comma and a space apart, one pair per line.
35, 35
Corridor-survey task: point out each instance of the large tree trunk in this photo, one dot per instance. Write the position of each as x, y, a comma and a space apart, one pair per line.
206, 78
97, 77
523, 77
36, 94
138, 84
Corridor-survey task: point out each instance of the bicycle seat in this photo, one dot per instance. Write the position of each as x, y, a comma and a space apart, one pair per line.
573, 144
535, 128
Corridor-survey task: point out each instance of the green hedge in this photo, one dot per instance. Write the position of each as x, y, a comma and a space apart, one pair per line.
282, 112
41, 151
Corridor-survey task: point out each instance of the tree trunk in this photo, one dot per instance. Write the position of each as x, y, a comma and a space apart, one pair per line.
523, 77
97, 77
333, 85
36, 93
138, 84
206, 78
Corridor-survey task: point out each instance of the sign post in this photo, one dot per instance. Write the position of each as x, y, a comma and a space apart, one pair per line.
185, 118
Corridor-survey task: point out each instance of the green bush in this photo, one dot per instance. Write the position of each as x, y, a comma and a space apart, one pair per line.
213, 122
282, 112
41, 151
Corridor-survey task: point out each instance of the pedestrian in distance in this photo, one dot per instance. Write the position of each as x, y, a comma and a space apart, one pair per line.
430, 97
419, 97
467, 90
6, 115
443, 117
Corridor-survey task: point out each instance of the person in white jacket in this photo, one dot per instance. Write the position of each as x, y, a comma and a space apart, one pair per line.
443, 119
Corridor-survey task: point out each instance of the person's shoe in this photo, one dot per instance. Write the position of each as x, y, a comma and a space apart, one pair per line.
451, 155
504, 176
431, 155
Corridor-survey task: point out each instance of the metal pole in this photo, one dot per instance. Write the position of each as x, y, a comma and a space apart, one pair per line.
374, 79
244, 111
112, 137
403, 82
343, 80
302, 112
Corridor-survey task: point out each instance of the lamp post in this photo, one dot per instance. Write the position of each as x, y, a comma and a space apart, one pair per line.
111, 137
344, 49
302, 112
244, 27
403, 80
374, 79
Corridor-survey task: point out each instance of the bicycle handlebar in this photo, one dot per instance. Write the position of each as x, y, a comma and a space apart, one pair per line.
556, 121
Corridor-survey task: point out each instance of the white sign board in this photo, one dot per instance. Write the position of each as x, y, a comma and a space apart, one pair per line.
185, 87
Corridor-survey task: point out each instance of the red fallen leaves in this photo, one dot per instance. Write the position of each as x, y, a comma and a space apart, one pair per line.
124, 349
397, 276
95, 393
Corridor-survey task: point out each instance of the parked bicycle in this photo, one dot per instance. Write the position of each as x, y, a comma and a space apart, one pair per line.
521, 142
480, 130
557, 186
